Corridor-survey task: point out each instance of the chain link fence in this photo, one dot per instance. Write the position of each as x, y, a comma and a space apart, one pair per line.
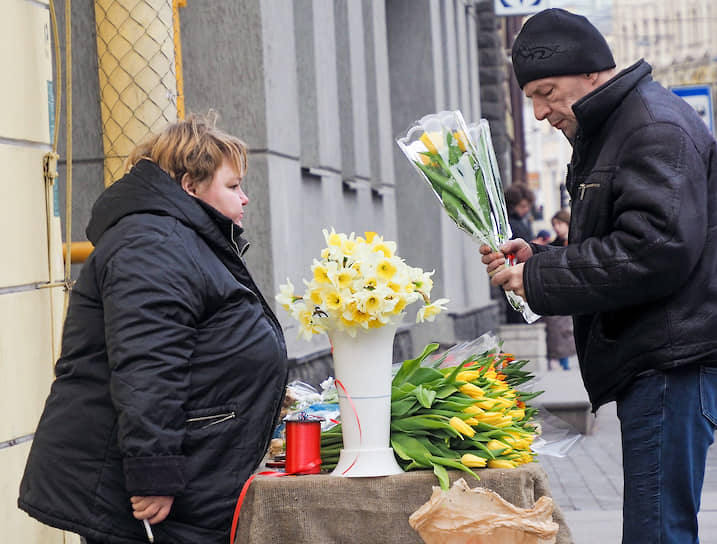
137, 74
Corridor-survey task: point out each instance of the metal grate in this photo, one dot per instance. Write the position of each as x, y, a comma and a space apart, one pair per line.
137, 74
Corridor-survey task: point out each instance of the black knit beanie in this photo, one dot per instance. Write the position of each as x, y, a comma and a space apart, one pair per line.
555, 42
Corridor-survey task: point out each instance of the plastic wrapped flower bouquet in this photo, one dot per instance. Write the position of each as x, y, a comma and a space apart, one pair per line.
458, 163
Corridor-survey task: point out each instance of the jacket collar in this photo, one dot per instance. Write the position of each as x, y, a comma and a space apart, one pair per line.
149, 189
594, 108
229, 228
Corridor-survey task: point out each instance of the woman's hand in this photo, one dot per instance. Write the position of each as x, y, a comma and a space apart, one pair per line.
153, 509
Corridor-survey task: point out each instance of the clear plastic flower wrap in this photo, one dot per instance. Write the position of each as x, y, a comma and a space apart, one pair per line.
460, 166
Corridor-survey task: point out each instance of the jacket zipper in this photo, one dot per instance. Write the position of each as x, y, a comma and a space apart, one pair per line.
213, 419
584, 186
234, 244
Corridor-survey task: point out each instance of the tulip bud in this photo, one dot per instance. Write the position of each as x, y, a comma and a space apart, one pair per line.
467, 375
500, 463
428, 141
517, 414
486, 404
461, 426
498, 445
473, 391
471, 460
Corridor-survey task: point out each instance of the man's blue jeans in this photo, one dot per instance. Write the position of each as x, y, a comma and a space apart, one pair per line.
668, 419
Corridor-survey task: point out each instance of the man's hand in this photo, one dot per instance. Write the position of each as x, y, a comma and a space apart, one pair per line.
153, 509
509, 278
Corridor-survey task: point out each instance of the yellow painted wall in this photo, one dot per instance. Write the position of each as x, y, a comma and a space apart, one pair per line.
30, 318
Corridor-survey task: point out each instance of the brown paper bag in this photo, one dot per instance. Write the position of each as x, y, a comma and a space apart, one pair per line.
463, 515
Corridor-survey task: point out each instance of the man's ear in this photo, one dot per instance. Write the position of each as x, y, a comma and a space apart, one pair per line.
189, 185
593, 78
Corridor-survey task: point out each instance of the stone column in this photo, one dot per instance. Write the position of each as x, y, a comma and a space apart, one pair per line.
240, 58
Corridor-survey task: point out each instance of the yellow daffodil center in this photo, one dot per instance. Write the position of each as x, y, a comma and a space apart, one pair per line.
385, 269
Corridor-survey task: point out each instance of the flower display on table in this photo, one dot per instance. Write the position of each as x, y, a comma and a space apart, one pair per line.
359, 282
459, 417
460, 166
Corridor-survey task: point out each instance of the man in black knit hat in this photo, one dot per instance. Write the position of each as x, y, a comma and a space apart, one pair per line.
639, 275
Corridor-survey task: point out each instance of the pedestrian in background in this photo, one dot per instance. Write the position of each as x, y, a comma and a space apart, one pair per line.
542, 238
173, 366
519, 200
559, 328
639, 272
561, 226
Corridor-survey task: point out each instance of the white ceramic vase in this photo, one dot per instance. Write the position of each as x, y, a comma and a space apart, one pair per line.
362, 364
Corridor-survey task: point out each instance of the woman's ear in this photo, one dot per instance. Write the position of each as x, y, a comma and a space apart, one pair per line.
189, 185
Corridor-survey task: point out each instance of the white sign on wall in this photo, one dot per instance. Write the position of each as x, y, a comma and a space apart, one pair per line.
519, 7
700, 98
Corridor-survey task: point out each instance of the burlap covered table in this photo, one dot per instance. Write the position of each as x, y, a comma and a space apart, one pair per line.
323, 509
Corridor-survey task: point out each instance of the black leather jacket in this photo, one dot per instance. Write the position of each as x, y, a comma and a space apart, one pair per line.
640, 273
171, 377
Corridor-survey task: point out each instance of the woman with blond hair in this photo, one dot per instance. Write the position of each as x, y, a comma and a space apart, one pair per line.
173, 366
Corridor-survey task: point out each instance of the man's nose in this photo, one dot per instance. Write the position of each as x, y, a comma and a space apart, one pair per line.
541, 109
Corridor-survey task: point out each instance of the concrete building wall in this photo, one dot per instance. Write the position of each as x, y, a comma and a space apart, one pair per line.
319, 89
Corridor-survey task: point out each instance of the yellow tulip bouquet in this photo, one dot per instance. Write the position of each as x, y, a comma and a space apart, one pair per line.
359, 282
462, 417
460, 166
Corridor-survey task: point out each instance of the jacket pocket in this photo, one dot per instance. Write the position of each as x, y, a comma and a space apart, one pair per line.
207, 421
216, 417
600, 356
591, 205
708, 393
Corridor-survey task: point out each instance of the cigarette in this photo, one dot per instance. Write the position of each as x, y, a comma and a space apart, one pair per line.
148, 530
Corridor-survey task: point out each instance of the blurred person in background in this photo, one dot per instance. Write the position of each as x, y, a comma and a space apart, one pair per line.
519, 200
173, 366
542, 238
639, 274
559, 328
561, 226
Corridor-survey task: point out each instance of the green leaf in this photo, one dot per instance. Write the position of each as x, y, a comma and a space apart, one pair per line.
423, 375
483, 448
423, 423
409, 367
412, 448
524, 397
403, 407
398, 450
453, 464
447, 413
425, 396
442, 475
445, 391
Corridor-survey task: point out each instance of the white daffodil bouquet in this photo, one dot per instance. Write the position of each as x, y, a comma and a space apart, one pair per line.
358, 283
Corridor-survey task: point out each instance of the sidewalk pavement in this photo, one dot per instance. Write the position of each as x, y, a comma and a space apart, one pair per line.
587, 482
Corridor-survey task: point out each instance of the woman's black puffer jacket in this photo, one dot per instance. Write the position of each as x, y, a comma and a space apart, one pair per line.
640, 273
172, 373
